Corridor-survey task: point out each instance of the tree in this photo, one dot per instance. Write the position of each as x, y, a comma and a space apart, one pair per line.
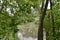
53, 24
13, 13
40, 30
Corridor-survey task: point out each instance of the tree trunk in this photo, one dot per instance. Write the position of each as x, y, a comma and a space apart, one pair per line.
40, 30
52, 17
2, 6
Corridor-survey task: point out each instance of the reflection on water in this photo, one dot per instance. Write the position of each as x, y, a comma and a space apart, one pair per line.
21, 37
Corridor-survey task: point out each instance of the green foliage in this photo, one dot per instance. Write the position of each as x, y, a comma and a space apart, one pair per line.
19, 13
48, 22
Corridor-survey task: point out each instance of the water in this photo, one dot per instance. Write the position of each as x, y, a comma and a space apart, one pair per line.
29, 32
21, 37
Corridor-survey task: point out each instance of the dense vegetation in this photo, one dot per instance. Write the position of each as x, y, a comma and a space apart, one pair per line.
17, 12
